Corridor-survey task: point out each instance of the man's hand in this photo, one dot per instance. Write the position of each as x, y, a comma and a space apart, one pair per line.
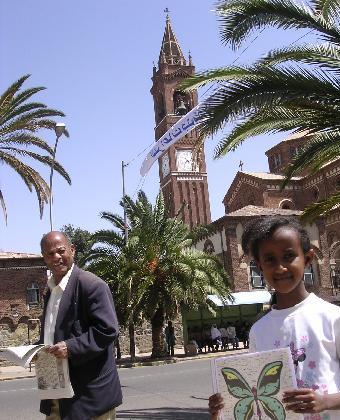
304, 400
215, 405
59, 350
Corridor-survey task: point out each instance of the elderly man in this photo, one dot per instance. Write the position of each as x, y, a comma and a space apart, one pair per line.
80, 324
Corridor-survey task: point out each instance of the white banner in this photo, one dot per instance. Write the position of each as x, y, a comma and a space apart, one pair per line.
176, 132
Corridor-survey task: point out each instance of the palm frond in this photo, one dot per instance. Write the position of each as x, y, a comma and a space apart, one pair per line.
328, 9
3, 206
276, 119
323, 208
239, 18
265, 87
326, 56
322, 149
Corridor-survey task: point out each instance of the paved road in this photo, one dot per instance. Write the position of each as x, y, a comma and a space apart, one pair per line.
178, 392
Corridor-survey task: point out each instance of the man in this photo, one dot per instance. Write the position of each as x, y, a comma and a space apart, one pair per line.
80, 324
215, 336
170, 338
231, 331
224, 338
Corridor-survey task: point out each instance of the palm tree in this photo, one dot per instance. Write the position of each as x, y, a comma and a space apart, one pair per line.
19, 122
294, 88
160, 271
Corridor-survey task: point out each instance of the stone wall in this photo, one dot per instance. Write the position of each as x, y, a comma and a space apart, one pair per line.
144, 337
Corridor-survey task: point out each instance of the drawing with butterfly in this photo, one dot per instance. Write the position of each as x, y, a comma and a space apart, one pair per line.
252, 385
268, 385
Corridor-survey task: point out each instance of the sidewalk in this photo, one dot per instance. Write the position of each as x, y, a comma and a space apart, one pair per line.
142, 359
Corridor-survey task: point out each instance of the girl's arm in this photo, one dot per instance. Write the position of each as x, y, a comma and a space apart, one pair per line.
305, 400
215, 405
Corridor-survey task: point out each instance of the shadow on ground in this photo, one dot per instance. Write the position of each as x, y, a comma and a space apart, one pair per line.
165, 413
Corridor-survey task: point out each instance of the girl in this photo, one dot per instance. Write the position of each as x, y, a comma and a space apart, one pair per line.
304, 322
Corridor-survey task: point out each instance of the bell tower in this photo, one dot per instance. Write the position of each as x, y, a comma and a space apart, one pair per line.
184, 184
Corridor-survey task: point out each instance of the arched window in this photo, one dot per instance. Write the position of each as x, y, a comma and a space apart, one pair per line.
286, 204
209, 247
32, 294
315, 193
309, 276
256, 277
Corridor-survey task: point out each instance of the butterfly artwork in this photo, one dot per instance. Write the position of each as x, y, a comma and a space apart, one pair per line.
252, 384
260, 397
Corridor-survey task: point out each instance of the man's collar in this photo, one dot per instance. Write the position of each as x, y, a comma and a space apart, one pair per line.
63, 282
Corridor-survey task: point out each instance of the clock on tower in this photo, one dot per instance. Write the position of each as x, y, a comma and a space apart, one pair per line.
184, 159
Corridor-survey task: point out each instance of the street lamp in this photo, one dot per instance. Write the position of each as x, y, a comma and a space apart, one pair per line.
59, 129
332, 265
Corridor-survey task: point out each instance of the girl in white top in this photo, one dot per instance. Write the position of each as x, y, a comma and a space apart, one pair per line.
304, 322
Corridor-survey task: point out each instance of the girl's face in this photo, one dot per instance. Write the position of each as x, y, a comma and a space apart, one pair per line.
283, 261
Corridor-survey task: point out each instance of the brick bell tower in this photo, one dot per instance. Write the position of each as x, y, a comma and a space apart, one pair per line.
183, 183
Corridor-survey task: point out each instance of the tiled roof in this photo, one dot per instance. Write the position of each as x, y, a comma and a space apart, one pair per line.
268, 175
262, 211
18, 255
171, 52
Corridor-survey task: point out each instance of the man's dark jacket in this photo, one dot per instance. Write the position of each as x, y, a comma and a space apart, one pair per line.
87, 322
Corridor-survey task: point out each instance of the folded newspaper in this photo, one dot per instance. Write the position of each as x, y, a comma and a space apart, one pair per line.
53, 378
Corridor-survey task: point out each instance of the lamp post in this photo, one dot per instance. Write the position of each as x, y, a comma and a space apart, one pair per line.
59, 131
332, 265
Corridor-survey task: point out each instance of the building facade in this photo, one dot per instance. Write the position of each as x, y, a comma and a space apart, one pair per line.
23, 280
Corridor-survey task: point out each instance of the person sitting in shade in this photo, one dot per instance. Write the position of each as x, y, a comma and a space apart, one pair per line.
231, 331
215, 336
224, 338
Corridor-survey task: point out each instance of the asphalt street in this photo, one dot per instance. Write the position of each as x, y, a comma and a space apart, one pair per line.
177, 391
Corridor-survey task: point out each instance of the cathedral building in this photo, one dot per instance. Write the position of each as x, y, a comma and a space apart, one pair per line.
251, 194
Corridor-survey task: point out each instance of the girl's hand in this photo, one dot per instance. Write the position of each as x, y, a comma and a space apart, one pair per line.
215, 405
304, 400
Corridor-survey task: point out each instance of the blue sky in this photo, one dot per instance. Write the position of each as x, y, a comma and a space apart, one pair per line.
95, 59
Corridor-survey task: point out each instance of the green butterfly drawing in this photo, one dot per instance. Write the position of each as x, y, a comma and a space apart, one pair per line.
268, 385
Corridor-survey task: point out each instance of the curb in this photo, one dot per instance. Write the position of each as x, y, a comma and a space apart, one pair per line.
175, 359
23, 376
142, 363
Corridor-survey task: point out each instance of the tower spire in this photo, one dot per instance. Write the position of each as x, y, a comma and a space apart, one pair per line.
170, 52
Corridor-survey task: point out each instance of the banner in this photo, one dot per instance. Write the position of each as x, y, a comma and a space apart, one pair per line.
176, 132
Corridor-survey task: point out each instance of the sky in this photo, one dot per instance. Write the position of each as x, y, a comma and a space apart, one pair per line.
95, 59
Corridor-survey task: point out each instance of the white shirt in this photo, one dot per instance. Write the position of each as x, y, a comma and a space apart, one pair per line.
223, 332
53, 305
231, 331
312, 331
215, 333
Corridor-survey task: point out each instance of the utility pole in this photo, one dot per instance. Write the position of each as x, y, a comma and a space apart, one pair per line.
126, 235
126, 232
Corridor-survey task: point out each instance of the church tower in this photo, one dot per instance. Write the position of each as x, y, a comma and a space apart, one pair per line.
184, 184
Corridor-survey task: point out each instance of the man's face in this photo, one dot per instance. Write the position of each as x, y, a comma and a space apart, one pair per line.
58, 254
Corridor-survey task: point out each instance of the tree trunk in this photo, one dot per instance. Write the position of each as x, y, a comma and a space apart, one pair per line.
132, 342
157, 334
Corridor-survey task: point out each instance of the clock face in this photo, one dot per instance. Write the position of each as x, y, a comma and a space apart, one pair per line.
165, 165
184, 160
